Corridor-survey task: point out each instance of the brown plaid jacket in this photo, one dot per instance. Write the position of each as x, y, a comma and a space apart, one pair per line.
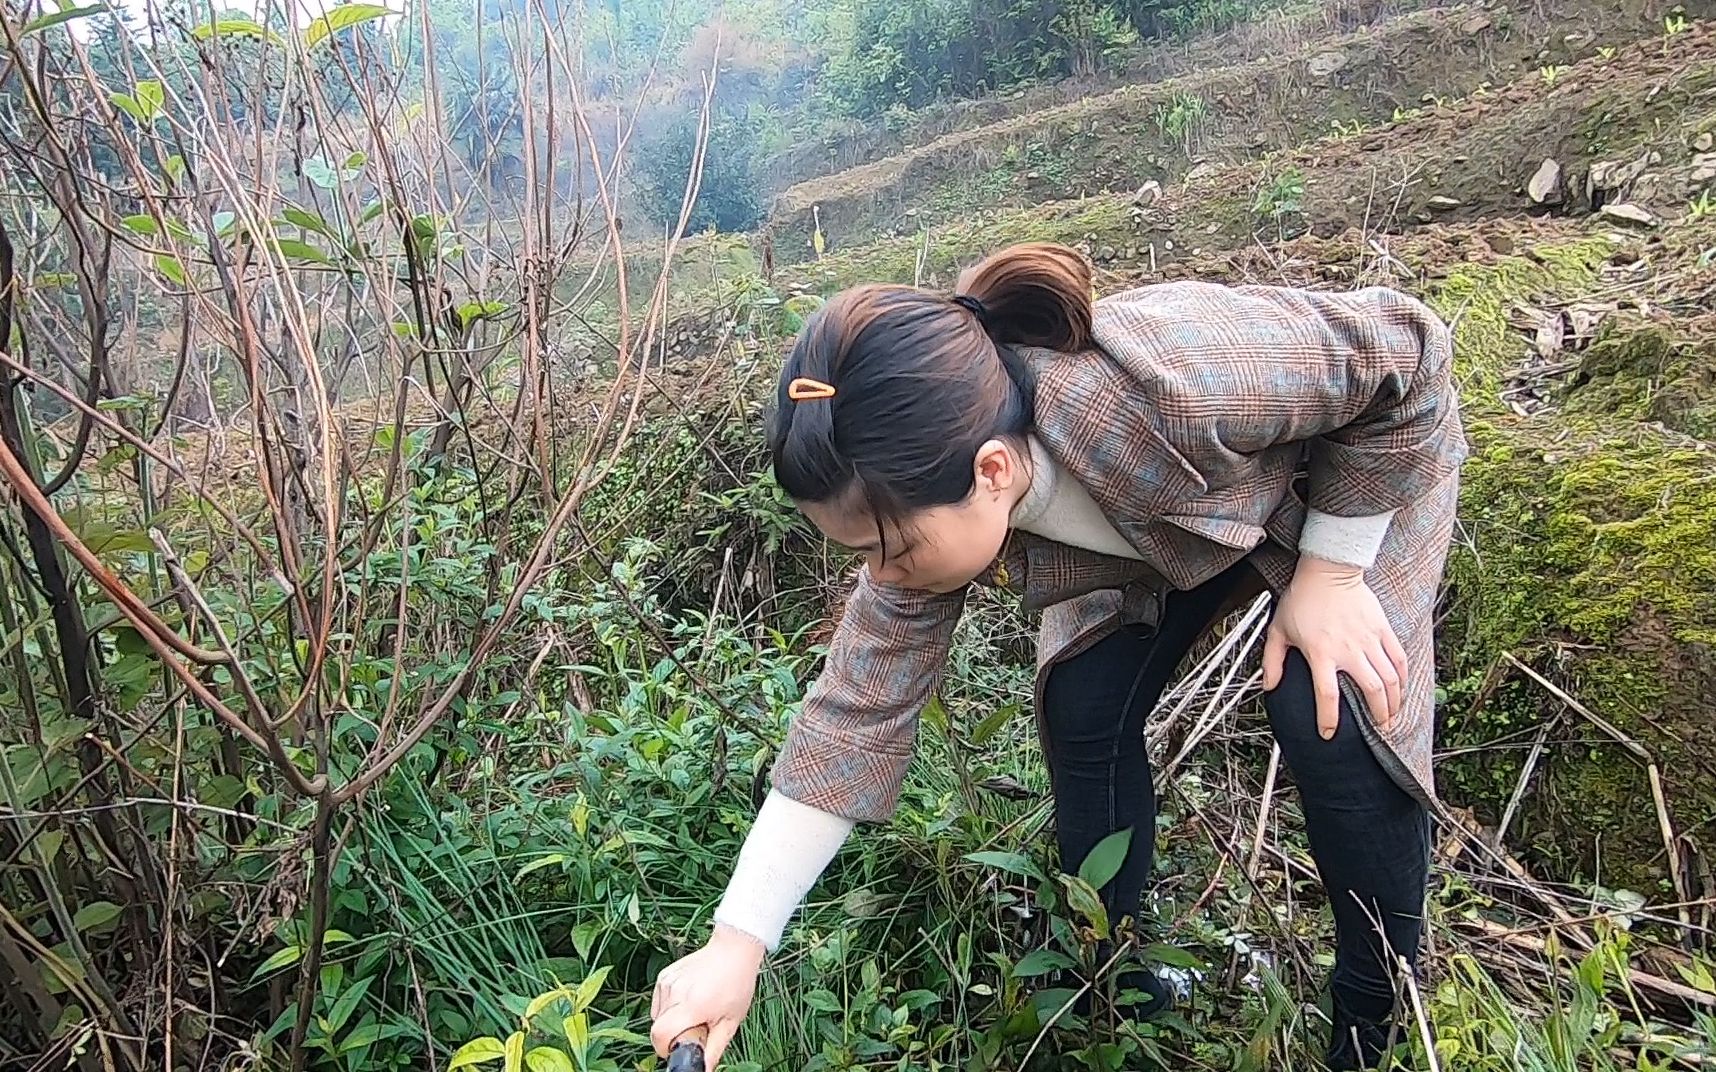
1188, 424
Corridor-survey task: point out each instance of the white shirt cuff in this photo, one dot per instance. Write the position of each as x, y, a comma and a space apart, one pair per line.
788, 848
1351, 541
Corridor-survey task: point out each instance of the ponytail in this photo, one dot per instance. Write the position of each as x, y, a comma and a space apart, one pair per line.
1034, 294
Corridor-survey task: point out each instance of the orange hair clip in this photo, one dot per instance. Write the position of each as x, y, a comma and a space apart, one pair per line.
805, 389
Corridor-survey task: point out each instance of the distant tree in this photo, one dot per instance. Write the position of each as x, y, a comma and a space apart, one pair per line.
730, 195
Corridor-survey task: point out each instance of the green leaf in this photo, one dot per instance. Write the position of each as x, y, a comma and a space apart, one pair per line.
548, 859
1016, 863
1172, 956
174, 167
822, 1001
64, 15
589, 988
1040, 962
340, 18
1103, 862
303, 251
171, 268
363, 1036
577, 1029
125, 103
476, 1052
321, 173
548, 1059
991, 723
236, 27
515, 1052
306, 219
335, 937
370, 212
356, 161
481, 311
542, 1001
96, 917
281, 959
584, 937
348, 1003
142, 223
1084, 900
223, 222
150, 95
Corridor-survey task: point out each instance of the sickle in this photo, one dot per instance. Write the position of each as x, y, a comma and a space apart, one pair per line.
687, 1052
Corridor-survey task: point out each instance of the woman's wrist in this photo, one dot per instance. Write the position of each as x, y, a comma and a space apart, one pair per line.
729, 938
1315, 569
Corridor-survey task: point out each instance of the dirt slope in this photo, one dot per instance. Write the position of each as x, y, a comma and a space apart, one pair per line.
1119, 140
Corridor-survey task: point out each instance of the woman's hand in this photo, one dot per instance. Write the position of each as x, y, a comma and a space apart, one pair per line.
1335, 621
710, 988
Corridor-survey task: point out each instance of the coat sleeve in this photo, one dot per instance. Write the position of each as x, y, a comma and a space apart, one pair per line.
1368, 384
1364, 379
847, 750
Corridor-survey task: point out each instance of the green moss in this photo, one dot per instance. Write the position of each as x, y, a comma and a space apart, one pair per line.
1586, 549
1642, 372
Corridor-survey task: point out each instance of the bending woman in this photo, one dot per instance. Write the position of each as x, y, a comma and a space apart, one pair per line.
1135, 468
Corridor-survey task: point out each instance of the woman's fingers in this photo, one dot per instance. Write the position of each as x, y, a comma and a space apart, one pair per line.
1274, 655
720, 1037
1397, 659
1376, 693
1327, 688
673, 1021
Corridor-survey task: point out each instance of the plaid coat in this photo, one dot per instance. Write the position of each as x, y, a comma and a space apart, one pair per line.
1204, 423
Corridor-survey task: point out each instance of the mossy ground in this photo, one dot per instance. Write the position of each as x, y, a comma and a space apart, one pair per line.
1588, 552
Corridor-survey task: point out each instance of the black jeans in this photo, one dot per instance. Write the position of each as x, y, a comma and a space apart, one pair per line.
1370, 839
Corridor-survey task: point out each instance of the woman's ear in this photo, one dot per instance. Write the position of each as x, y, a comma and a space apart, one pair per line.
996, 469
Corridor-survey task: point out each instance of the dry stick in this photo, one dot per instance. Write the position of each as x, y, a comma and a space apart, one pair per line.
1644, 979
1263, 812
1668, 846
1524, 780
1425, 1034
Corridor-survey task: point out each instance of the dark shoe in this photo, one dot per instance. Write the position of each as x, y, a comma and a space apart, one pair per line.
1357, 1045
1139, 992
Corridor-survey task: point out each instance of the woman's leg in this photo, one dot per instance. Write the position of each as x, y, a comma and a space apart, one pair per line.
1094, 707
1371, 841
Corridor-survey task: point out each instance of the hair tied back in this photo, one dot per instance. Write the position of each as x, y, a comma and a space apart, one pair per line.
975, 306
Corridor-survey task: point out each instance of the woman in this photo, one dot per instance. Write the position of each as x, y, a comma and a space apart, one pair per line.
1136, 468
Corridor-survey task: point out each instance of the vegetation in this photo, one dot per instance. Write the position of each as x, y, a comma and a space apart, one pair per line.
397, 623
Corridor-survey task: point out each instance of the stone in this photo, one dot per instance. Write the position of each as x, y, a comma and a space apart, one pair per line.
1703, 168
1324, 64
1545, 184
1501, 244
1148, 194
1704, 142
1477, 24
1106, 253
1627, 212
1440, 203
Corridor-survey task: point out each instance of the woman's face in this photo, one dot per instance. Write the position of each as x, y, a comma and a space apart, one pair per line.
939, 549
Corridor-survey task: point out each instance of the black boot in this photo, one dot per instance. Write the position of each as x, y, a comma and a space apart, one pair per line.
1359, 1045
1153, 997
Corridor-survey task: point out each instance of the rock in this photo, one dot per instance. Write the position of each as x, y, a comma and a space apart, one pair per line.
1545, 184
1202, 170
1212, 228
1168, 245
1439, 203
1501, 244
1703, 168
1148, 194
1704, 142
1626, 212
1106, 253
1324, 64
1477, 24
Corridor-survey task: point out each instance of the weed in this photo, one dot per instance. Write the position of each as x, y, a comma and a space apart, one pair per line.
1606, 52
1702, 207
1178, 120
1350, 129
1283, 197
1674, 24
1551, 73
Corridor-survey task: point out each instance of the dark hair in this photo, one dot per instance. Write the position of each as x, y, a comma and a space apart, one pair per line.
921, 380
